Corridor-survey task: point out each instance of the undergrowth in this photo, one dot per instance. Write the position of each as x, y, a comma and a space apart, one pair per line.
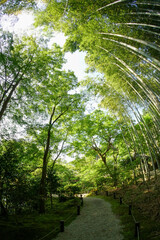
35, 226
145, 201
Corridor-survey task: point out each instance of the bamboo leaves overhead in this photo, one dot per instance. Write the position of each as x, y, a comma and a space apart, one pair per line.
120, 37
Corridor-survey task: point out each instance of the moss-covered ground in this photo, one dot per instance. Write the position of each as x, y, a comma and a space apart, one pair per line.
145, 201
34, 226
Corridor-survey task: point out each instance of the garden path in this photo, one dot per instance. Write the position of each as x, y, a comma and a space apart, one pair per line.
95, 222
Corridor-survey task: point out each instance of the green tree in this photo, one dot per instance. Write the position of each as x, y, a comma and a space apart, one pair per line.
96, 135
68, 179
23, 63
52, 183
62, 110
55, 105
121, 40
19, 159
15, 6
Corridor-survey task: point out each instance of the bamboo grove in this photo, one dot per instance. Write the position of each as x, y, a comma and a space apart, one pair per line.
121, 39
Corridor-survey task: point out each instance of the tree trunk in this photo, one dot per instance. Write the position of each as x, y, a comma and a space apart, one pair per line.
44, 173
115, 170
115, 180
7, 100
51, 200
45, 161
108, 169
3, 210
146, 168
142, 171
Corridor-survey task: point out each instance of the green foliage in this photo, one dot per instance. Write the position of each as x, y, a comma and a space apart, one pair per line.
94, 129
68, 180
52, 181
37, 226
121, 42
117, 49
111, 147
18, 187
16, 6
25, 66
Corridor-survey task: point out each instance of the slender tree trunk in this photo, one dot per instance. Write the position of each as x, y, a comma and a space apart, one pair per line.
103, 157
115, 176
3, 210
1, 192
44, 173
7, 100
45, 160
44, 168
142, 171
115, 171
51, 198
146, 168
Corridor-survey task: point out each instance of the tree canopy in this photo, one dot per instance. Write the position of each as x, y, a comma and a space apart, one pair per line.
117, 143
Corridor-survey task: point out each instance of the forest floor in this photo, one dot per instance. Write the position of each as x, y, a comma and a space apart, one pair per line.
145, 201
34, 226
96, 221
144, 198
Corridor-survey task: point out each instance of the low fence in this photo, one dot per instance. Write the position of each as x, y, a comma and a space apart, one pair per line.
130, 212
62, 223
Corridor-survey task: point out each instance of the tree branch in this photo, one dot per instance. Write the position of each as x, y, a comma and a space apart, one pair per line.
59, 152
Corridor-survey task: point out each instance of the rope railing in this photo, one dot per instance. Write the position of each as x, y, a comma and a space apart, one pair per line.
53, 231
69, 217
130, 212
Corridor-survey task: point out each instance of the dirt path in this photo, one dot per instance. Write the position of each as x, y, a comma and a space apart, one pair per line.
96, 222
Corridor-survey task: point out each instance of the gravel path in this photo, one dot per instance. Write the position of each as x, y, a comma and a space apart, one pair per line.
96, 222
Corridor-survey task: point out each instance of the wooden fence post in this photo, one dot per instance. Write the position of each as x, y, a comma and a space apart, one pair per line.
137, 229
62, 226
81, 201
78, 210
